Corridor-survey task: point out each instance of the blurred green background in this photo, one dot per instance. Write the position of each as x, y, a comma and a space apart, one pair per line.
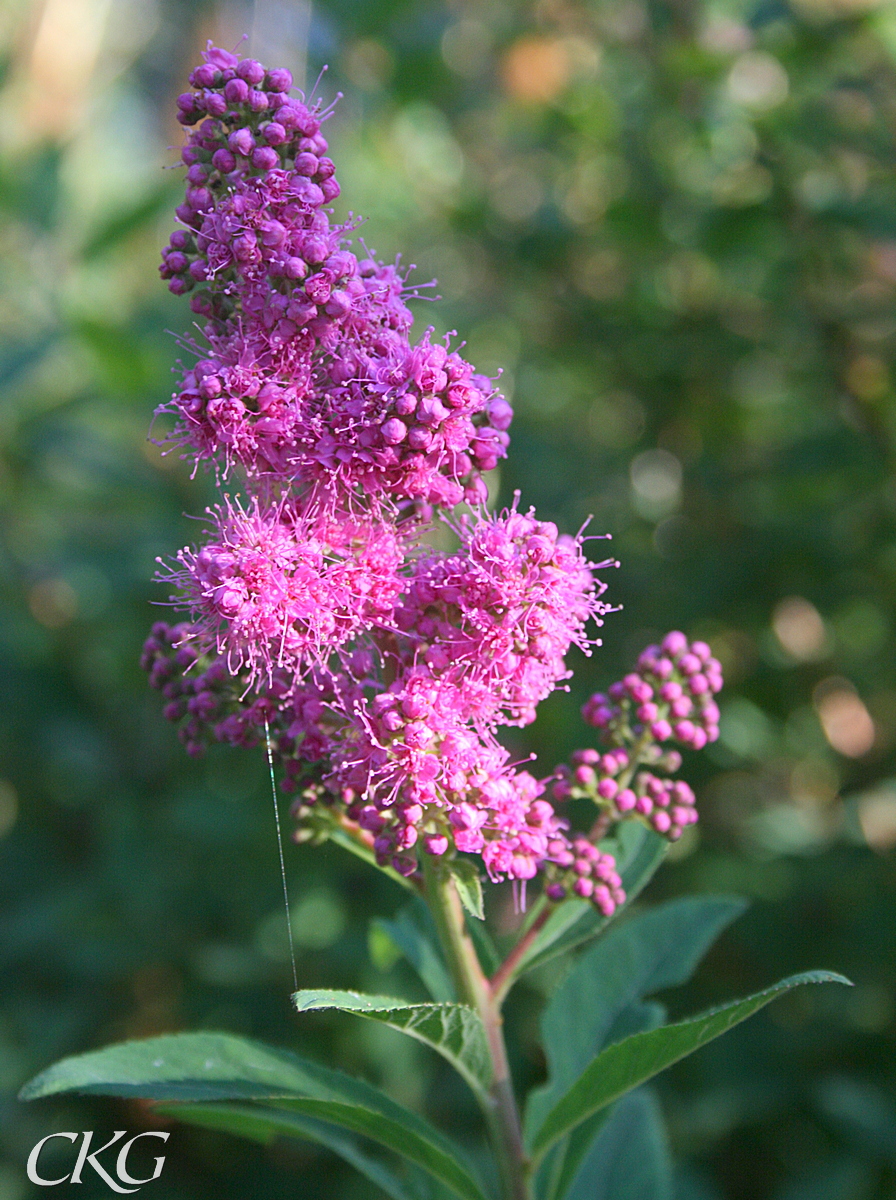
673, 224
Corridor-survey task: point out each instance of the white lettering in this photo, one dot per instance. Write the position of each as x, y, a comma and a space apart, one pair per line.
31, 1165
84, 1157
121, 1169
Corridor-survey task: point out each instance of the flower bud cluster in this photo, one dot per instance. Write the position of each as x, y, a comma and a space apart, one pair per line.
410, 421
426, 776
247, 127
584, 870
665, 805
669, 697
200, 694
308, 373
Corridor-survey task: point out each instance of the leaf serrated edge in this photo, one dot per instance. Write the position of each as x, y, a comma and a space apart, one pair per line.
478, 1083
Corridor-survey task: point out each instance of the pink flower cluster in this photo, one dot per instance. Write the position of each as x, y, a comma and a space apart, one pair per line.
274, 588
497, 617
381, 668
308, 375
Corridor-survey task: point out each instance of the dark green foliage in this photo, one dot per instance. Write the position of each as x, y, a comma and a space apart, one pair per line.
630, 1159
214, 1066
637, 1058
602, 1000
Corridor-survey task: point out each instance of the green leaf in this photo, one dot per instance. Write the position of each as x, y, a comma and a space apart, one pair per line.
623, 1066
452, 1030
221, 1066
469, 886
413, 932
657, 949
571, 1150
639, 852
263, 1124
189, 1066
600, 1002
629, 1159
429, 1149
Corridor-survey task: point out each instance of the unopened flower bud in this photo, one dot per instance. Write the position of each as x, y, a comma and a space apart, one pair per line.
279, 80
251, 70
223, 161
236, 91
274, 134
394, 431
674, 643
241, 141
265, 158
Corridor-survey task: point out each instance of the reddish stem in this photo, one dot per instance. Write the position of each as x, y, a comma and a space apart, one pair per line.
600, 827
503, 978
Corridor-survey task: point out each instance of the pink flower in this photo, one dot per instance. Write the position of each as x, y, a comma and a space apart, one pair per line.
497, 617
275, 588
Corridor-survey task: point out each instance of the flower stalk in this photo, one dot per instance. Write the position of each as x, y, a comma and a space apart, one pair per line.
473, 988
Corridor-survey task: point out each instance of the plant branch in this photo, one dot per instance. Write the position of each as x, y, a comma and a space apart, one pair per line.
636, 756
473, 988
505, 976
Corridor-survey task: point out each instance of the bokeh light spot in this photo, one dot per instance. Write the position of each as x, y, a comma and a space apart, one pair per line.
368, 64
757, 80
536, 69
799, 628
846, 722
876, 811
53, 602
656, 478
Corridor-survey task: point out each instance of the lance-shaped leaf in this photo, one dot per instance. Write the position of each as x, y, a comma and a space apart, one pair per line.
569, 1153
221, 1066
468, 882
262, 1123
623, 1066
453, 1030
658, 949
413, 931
639, 854
427, 1148
600, 1001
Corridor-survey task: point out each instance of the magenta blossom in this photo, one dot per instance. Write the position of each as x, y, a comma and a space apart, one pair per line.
381, 669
